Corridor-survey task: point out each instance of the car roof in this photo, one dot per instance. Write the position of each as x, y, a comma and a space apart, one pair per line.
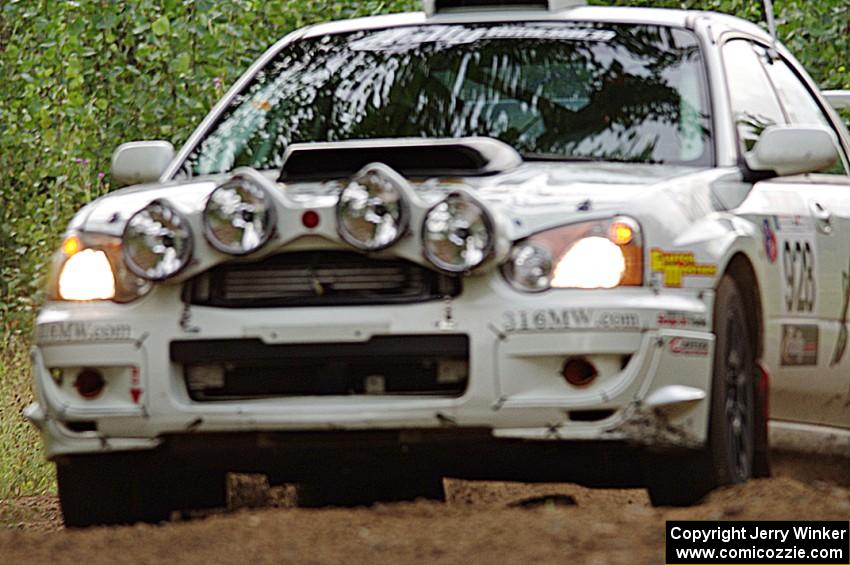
604, 14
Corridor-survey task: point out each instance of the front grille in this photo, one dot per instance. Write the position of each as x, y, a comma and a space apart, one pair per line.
318, 278
418, 365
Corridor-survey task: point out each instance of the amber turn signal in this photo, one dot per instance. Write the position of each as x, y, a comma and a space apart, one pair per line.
621, 233
71, 245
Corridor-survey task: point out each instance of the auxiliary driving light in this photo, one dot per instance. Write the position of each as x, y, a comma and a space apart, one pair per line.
157, 242
371, 212
457, 234
239, 217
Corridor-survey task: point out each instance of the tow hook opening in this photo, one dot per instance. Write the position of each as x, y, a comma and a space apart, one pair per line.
579, 372
89, 383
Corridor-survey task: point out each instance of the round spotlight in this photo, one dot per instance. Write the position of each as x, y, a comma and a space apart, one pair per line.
157, 242
457, 234
239, 217
372, 213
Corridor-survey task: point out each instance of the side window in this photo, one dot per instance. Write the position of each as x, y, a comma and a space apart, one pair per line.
754, 102
800, 105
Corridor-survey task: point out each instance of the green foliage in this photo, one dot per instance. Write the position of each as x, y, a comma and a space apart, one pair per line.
816, 32
23, 469
79, 77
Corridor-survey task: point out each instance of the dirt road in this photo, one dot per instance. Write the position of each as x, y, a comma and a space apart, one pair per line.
482, 523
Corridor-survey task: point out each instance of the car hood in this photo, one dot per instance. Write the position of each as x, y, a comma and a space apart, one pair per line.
530, 188
590, 185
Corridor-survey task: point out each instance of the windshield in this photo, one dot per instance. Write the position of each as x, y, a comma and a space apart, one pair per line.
551, 90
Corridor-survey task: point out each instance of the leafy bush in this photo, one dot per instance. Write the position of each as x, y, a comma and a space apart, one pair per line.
80, 77
23, 469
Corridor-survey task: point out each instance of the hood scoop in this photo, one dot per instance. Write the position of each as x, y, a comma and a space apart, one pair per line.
462, 157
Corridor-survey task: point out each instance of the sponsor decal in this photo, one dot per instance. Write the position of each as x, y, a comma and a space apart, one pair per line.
617, 320
66, 332
841, 342
798, 268
558, 319
799, 345
689, 346
673, 319
674, 266
770, 245
552, 319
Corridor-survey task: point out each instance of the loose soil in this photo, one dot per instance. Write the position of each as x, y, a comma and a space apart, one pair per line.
484, 523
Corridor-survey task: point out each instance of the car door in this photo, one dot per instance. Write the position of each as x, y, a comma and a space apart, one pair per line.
806, 237
828, 197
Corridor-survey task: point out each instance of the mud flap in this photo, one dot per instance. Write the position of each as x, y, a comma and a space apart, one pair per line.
761, 461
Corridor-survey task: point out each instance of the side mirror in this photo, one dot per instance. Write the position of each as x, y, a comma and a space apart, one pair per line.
140, 161
839, 99
793, 150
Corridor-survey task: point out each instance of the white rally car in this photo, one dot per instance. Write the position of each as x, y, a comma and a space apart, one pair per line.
540, 242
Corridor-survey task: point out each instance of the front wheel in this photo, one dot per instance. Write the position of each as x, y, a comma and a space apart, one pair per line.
730, 453
127, 488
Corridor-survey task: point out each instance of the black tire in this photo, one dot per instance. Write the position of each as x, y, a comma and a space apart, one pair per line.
128, 488
730, 453
365, 489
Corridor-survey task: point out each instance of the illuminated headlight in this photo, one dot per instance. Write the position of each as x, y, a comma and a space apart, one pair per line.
239, 217
371, 213
90, 267
457, 234
593, 262
603, 254
87, 275
157, 242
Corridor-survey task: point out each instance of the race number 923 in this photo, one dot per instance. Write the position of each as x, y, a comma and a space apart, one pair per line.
798, 261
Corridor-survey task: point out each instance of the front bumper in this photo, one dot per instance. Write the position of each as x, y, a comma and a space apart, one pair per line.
653, 351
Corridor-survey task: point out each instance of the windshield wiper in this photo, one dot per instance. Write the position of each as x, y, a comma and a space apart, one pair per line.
556, 157
528, 156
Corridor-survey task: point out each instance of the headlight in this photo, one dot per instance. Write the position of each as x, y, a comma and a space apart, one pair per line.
593, 262
239, 217
531, 266
91, 267
602, 254
371, 213
157, 242
87, 275
457, 234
